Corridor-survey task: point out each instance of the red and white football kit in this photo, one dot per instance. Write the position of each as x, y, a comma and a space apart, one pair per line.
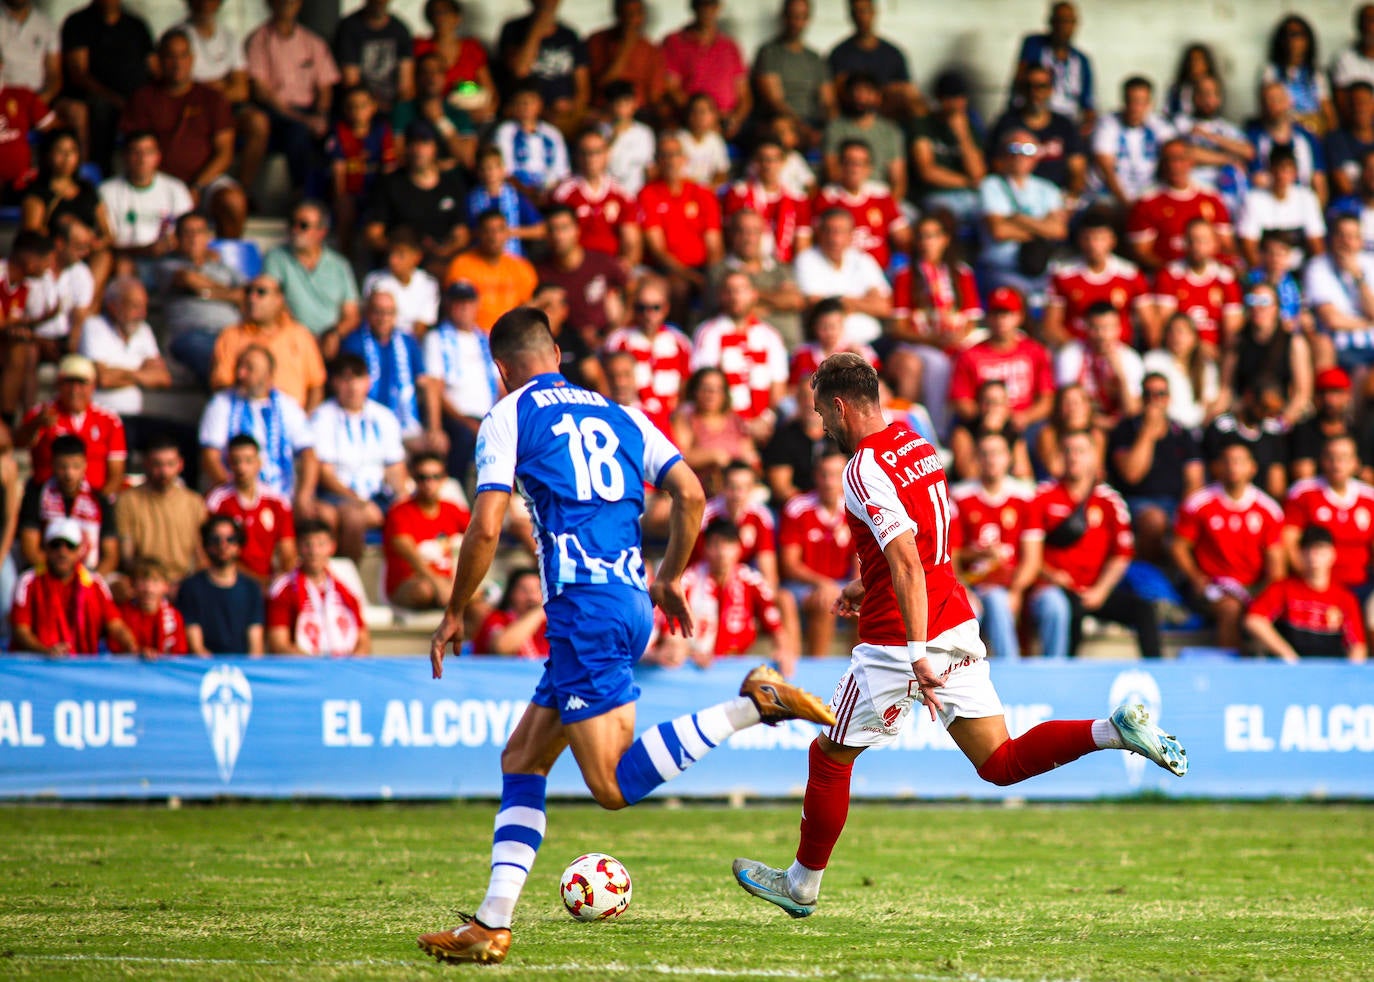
76, 613
827, 545
662, 365
991, 521
1025, 370
1163, 214
947, 294
434, 537
323, 620
161, 631
101, 431
753, 359
785, 214
535, 646
726, 616
757, 532
601, 212
685, 218
1206, 296
876, 216
809, 355
1315, 622
1230, 536
1108, 534
894, 484
1348, 517
1075, 287
90, 511
265, 521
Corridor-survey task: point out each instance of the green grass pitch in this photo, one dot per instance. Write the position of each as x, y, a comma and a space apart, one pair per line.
325, 891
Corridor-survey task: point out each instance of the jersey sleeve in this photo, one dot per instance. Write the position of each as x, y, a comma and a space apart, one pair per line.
659, 453
280, 612
1353, 623
1186, 525
869, 493
496, 442
1270, 604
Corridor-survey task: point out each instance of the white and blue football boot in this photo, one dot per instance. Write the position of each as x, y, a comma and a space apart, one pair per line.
770, 884
1145, 738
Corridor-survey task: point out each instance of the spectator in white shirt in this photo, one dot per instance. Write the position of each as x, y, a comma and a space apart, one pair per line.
74, 241
631, 143
1339, 287
362, 459
144, 204
834, 268
466, 383
1355, 63
416, 292
1285, 207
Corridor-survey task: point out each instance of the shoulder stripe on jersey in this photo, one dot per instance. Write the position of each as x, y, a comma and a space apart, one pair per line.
493, 487
663, 471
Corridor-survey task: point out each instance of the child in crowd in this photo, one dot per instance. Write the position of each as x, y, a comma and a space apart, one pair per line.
360, 149
416, 291
797, 176
631, 142
708, 158
533, 150
155, 624
31, 321
495, 191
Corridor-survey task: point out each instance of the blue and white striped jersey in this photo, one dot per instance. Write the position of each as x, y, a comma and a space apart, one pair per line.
581, 463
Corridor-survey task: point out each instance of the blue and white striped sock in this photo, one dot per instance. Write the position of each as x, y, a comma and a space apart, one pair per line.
664, 752
520, 828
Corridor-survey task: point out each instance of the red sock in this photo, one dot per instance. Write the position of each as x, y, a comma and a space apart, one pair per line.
824, 809
1040, 749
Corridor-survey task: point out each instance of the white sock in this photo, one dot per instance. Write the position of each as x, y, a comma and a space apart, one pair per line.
804, 883
719, 721
498, 906
1106, 736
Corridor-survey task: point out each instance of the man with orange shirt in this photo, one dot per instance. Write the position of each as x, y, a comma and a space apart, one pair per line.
502, 281
268, 324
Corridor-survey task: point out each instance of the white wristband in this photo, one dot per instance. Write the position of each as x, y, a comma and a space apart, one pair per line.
916, 650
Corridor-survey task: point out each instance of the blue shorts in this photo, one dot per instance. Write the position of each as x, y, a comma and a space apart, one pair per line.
596, 634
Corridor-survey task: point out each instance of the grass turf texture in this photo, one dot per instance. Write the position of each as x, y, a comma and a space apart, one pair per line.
325, 891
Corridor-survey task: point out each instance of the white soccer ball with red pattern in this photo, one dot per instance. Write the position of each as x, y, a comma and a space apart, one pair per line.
595, 887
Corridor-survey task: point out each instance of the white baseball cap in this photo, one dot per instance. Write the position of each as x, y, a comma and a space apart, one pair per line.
63, 530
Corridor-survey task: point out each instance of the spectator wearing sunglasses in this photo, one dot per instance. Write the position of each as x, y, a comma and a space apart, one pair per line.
267, 323
662, 353
61, 608
1024, 219
221, 607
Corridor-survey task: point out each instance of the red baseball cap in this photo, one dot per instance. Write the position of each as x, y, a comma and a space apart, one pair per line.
1333, 378
1006, 298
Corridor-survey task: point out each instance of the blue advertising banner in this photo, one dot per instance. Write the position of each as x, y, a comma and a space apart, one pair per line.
382, 728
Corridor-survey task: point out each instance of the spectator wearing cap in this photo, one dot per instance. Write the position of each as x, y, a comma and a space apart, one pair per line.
1339, 287
202, 296
393, 362
160, 519
194, 124
376, 50
534, 152
468, 383
72, 412
1007, 355
860, 121
946, 157
502, 281
701, 58
1309, 615
61, 608
495, 191
1333, 418
221, 608
293, 74
864, 51
415, 289
834, 267
1063, 159
318, 283
793, 80
542, 49
67, 494
422, 197
269, 325
1024, 219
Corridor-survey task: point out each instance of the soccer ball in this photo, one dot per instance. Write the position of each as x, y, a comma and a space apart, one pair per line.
595, 887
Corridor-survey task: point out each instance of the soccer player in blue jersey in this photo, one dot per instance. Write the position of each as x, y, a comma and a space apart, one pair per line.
581, 463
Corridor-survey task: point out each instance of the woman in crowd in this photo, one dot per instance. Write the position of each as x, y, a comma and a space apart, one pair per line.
59, 189
1293, 62
1265, 348
1194, 381
994, 416
516, 626
1073, 412
466, 74
708, 432
1197, 63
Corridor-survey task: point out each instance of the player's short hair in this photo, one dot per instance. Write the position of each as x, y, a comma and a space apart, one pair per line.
523, 330
848, 376
207, 529
312, 526
244, 440
149, 568
68, 445
721, 528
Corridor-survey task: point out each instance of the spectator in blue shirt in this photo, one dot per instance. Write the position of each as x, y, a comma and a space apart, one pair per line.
494, 191
396, 367
1072, 72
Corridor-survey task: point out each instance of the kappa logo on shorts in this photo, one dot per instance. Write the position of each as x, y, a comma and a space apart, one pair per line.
575, 702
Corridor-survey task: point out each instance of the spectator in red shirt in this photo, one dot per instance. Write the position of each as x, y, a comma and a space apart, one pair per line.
1201, 287
738, 503
1009, 356
421, 539
1095, 275
681, 223
73, 412
1309, 615
995, 552
879, 225
1158, 220
467, 75
1343, 505
1227, 543
67, 494
1088, 546
194, 124
788, 216
817, 557
701, 59
156, 625
309, 612
22, 113
265, 518
61, 608
605, 211
731, 605
516, 627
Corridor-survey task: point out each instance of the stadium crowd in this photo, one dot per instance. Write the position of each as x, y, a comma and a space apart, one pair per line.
1163, 316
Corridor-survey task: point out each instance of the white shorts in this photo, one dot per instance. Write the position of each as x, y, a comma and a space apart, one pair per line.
874, 698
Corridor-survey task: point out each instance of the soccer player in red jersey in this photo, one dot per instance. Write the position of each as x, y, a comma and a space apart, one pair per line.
1309, 615
817, 554
265, 517
1340, 503
1201, 287
1157, 221
1227, 543
918, 641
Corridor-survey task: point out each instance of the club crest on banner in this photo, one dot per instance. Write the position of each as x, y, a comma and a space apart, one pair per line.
226, 702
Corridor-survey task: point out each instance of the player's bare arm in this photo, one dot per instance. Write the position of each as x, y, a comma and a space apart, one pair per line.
909, 584
474, 560
684, 521
851, 598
